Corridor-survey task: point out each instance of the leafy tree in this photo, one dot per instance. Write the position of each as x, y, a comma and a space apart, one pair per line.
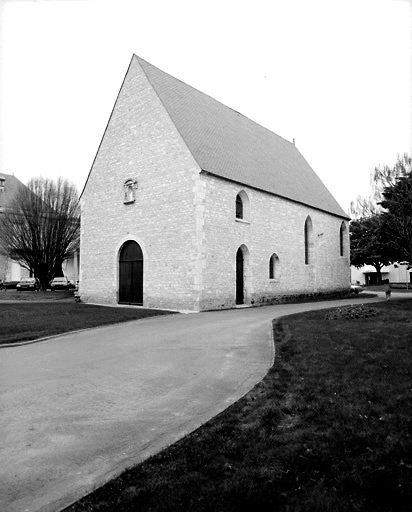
41, 226
368, 246
380, 237
397, 217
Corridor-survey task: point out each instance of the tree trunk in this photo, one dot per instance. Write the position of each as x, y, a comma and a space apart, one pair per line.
58, 271
378, 273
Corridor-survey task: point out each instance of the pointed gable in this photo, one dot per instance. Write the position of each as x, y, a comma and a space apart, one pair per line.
229, 145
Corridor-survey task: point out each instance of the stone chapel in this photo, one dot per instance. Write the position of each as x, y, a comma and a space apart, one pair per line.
190, 205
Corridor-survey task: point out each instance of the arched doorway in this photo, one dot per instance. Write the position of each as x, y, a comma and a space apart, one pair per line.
240, 277
131, 274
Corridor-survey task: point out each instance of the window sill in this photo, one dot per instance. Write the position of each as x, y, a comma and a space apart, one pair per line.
275, 280
129, 202
242, 221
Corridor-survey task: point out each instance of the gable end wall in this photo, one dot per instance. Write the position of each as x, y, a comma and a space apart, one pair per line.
141, 143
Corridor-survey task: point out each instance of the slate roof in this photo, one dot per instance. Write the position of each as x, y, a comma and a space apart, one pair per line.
11, 186
229, 145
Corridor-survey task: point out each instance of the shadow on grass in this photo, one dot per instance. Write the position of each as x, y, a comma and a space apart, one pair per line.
32, 296
328, 429
30, 320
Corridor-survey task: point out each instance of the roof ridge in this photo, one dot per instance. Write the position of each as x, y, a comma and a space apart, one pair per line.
208, 95
230, 145
9, 175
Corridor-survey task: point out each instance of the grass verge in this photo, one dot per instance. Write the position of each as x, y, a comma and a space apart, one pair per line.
31, 320
328, 429
32, 296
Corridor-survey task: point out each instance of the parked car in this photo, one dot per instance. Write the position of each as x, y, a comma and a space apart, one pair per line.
60, 283
355, 288
11, 284
28, 283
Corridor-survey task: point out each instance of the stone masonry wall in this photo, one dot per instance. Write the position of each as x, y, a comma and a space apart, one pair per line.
184, 221
141, 143
274, 225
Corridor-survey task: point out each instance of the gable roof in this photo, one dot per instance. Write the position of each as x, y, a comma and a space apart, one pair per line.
229, 145
11, 186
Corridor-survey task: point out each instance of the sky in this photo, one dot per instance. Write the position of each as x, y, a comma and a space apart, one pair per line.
333, 75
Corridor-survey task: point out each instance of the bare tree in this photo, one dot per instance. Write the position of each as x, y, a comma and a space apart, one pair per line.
363, 207
41, 226
384, 177
381, 178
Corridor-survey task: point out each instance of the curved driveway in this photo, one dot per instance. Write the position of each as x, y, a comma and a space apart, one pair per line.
76, 410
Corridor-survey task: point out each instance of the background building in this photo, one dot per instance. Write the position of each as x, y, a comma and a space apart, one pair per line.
11, 270
396, 273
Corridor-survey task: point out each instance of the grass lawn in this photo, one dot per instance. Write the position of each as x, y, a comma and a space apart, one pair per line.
30, 320
328, 429
32, 296
38, 314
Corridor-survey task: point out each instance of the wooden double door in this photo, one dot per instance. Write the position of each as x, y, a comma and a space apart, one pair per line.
131, 274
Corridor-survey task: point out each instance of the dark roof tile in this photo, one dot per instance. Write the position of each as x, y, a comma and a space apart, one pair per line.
11, 186
229, 145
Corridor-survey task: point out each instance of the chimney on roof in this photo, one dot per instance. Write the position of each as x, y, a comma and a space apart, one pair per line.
293, 141
2, 182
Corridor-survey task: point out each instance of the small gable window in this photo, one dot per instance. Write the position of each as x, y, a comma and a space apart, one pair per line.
129, 189
274, 267
242, 206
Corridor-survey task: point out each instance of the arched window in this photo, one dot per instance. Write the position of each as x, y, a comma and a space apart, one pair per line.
242, 206
239, 207
342, 239
308, 241
274, 267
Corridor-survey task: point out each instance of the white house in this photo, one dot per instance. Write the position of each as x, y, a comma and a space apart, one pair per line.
191, 205
398, 273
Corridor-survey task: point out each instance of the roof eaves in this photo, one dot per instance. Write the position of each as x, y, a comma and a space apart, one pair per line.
335, 214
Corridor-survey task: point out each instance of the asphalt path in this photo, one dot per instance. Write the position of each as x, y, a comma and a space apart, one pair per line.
78, 409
